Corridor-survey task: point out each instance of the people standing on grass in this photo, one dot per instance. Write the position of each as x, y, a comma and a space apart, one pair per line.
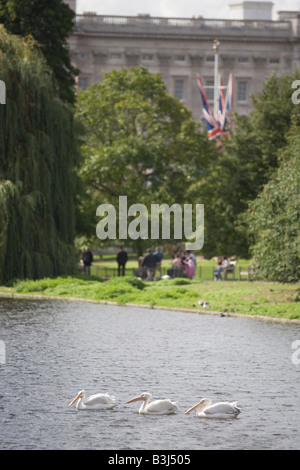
87, 258
193, 256
191, 267
149, 263
158, 256
121, 258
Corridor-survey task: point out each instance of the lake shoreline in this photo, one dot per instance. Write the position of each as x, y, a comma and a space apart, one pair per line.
14, 295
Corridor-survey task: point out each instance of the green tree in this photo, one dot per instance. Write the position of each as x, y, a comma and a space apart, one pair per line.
38, 155
50, 24
271, 120
139, 141
274, 219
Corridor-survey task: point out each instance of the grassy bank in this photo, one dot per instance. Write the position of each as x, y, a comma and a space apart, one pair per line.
251, 298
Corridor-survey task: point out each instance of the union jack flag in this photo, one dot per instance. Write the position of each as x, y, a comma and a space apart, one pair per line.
219, 126
212, 125
221, 114
228, 105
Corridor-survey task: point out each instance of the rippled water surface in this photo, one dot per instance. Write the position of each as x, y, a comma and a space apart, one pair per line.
53, 349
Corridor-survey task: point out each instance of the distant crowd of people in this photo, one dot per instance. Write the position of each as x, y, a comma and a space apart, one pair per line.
150, 264
183, 265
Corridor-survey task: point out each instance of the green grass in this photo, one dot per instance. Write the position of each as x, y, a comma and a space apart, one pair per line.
252, 298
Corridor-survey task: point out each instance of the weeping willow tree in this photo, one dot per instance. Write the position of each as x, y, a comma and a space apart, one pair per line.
38, 156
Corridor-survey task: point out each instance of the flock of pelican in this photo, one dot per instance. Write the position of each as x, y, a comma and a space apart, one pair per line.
205, 409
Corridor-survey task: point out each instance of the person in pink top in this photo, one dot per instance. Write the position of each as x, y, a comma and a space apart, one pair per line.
191, 267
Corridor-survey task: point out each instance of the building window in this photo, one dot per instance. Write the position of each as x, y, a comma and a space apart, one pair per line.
210, 58
179, 58
209, 90
83, 55
179, 89
274, 60
147, 57
242, 91
115, 56
243, 60
83, 83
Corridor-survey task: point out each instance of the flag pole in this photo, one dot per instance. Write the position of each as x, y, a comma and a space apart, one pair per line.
216, 77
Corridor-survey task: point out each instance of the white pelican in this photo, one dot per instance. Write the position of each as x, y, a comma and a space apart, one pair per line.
218, 410
99, 401
159, 407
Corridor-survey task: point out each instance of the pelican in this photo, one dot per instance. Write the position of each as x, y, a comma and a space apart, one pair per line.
218, 410
159, 407
99, 401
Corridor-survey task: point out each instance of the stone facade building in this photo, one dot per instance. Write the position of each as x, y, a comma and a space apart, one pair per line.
252, 46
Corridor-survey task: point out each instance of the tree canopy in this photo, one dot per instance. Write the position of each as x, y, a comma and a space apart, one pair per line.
138, 141
50, 24
274, 219
38, 155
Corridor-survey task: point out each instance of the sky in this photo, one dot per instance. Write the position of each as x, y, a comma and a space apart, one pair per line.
172, 8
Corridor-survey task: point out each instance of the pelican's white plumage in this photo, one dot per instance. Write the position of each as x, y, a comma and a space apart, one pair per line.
223, 409
99, 401
159, 407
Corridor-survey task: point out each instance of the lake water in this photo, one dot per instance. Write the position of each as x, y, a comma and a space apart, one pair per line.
53, 349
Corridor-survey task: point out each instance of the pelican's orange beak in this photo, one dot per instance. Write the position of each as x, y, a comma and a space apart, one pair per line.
75, 399
192, 408
139, 398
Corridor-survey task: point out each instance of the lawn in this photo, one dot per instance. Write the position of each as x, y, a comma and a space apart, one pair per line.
251, 298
